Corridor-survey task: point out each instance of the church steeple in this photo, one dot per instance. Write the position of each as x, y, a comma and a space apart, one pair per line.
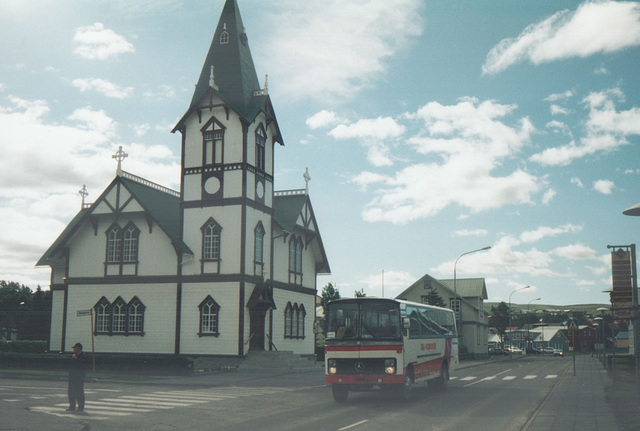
230, 57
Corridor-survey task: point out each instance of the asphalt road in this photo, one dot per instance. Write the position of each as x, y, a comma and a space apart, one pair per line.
501, 395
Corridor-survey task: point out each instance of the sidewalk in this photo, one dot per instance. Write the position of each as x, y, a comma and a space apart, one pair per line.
577, 402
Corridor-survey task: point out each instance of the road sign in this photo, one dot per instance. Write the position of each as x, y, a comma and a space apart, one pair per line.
83, 313
572, 324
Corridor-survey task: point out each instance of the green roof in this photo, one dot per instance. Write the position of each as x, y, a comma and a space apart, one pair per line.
234, 72
161, 206
286, 209
468, 287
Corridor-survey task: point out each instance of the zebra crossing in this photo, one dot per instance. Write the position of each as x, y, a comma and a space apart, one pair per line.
472, 380
126, 405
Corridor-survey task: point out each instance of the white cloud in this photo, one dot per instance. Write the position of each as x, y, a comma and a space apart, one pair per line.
546, 232
395, 282
575, 252
559, 96
467, 232
374, 134
606, 130
504, 258
162, 92
558, 110
102, 86
95, 42
323, 118
576, 181
548, 196
472, 138
603, 186
594, 27
331, 50
97, 121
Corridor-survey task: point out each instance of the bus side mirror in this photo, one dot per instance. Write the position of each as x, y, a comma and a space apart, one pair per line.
406, 322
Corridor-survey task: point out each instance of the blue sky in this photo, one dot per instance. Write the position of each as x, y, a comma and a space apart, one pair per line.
429, 128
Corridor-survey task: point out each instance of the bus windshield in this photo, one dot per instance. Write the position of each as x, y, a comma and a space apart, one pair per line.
363, 320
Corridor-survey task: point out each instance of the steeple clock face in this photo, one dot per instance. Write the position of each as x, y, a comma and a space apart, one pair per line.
260, 190
211, 186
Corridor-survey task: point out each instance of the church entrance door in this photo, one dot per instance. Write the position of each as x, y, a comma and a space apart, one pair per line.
257, 329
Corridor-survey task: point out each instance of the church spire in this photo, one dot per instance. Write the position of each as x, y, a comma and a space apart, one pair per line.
229, 55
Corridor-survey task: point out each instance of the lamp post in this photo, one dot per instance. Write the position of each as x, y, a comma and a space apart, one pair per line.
458, 304
635, 211
510, 340
529, 303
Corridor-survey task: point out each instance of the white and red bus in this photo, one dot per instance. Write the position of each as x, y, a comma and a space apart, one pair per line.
388, 343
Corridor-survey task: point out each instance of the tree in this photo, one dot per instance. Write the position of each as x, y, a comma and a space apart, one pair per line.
24, 311
329, 293
500, 318
434, 298
359, 293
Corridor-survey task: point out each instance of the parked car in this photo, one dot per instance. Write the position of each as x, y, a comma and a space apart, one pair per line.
515, 350
497, 351
548, 350
533, 351
558, 352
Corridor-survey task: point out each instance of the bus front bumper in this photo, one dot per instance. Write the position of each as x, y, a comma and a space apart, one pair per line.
369, 379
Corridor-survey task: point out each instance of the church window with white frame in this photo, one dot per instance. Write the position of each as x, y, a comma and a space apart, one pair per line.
261, 141
294, 320
114, 244
211, 240
209, 317
212, 142
130, 243
119, 317
258, 249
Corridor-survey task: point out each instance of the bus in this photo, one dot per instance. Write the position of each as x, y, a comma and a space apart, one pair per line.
387, 343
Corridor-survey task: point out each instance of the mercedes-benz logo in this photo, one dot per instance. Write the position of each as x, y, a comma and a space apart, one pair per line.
359, 366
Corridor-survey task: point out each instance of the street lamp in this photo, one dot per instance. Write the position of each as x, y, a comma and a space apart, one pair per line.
510, 341
529, 303
455, 287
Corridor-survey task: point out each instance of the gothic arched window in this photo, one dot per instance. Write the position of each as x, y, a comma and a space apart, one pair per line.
211, 240
209, 317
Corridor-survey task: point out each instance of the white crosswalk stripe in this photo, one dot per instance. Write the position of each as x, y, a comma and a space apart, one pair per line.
125, 405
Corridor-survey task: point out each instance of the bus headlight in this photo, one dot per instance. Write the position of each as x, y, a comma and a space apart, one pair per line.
390, 366
332, 366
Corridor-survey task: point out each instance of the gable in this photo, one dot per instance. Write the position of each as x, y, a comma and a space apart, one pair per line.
292, 211
126, 196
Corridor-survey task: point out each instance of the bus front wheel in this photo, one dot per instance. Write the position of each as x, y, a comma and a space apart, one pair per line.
340, 393
407, 387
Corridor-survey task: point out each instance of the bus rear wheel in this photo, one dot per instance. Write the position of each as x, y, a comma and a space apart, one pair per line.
440, 383
340, 393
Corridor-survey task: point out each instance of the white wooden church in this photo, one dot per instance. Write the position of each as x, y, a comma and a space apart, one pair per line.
224, 266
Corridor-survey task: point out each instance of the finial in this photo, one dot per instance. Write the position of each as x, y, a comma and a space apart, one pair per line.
84, 193
307, 178
266, 84
212, 82
119, 156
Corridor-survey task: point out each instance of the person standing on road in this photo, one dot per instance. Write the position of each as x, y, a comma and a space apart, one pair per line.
77, 372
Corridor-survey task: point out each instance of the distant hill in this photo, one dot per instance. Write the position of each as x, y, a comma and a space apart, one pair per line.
586, 308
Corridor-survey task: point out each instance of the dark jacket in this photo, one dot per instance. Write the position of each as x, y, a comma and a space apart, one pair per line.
78, 366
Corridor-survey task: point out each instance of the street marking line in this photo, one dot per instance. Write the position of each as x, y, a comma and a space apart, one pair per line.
508, 377
466, 379
552, 376
353, 425
529, 377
